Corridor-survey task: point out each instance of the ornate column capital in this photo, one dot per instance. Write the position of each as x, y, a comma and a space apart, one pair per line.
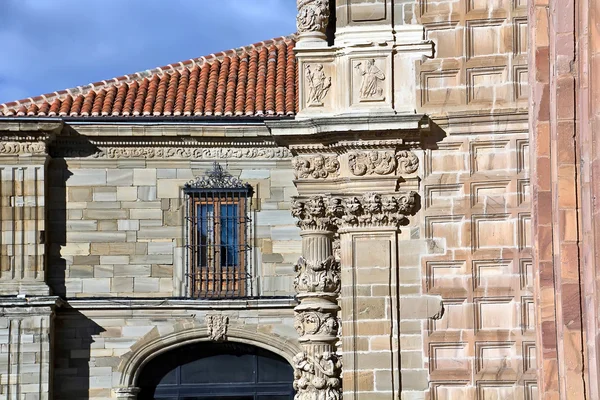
312, 20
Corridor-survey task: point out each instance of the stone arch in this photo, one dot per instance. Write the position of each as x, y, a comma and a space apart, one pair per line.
134, 361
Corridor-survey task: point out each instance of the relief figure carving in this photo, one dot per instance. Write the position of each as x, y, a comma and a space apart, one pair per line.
371, 77
372, 162
313, 15
318, 84
315, 167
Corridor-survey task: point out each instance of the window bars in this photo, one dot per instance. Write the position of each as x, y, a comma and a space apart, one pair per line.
217, 243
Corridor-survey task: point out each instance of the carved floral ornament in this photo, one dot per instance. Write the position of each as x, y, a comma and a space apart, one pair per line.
317, 277
371, 209
316, 323
313, 15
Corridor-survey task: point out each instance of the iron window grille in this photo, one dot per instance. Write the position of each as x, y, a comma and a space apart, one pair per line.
218, 224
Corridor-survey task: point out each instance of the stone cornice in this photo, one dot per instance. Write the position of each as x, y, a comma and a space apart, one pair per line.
331, 129
181, 304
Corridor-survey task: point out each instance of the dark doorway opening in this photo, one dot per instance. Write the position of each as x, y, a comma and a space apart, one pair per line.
217, 371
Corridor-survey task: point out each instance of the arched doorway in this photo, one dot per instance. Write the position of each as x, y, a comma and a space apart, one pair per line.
216, 371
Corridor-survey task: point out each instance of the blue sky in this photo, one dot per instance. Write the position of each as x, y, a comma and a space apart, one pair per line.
49, 45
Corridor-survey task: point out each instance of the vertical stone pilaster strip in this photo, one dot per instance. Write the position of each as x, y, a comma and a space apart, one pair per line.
317, 369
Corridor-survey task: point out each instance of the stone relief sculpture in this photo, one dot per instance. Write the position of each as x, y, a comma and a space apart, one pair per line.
371, 77
313, 15
176, 152
317, 277
317, 378
408, 162
318, 84
9, 147
372, 162
217, 327
315, 167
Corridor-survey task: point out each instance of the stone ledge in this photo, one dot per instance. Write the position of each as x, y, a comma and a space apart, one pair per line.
140, 303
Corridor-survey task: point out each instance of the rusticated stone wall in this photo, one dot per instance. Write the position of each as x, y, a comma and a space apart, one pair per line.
480, 60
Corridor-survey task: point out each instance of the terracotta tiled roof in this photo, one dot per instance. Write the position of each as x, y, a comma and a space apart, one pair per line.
252, 81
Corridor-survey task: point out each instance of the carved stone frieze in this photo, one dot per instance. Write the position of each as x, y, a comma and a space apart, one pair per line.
217, 326
323, 276
372, 162
313, 15
175, 152
318, 84
373, 209
317, 213
382, 162
318, 377
372, 76
18, 147
370, 209
408, 162
315, 167
316, 323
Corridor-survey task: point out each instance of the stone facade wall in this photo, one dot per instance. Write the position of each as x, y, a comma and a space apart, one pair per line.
118, 225
480, 60
102, 345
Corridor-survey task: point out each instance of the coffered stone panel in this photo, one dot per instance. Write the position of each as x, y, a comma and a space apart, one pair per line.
480, 55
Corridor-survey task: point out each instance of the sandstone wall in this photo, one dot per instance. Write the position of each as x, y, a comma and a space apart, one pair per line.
117, 224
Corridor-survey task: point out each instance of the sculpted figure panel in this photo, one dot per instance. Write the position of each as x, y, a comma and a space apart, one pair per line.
372, 76
217, 326
315, 167
318, 84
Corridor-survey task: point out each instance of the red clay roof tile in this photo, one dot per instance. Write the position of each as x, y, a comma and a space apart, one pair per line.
256, 80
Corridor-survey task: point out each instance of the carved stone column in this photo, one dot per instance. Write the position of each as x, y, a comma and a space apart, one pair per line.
312, 21
317, 369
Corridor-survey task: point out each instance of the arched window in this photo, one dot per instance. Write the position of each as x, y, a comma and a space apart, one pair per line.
217, 371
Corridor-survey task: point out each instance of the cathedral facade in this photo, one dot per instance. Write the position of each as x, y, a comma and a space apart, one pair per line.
395, 202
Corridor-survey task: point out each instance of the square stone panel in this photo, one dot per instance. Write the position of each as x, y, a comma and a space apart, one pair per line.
487, 37
496, 314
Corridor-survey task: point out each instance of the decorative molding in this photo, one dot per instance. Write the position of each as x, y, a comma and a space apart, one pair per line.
315, 167
317, 213
370, 89
198, 152
316, 323
217, 326
322, 276
371, 209
318, 85
218, 178
372, 162
313, 15
22, 147
317, 377
408, 162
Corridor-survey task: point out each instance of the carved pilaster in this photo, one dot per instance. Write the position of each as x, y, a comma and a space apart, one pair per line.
312, 21
317, 369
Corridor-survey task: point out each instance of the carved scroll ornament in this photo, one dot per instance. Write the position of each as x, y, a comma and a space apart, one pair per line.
382, 163
313, 15
315, 167
7, 147
372, 162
